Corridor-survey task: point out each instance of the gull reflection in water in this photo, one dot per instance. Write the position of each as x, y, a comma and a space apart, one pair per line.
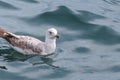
15, 56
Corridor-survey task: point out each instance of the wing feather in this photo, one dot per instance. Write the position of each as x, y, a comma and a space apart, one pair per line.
27, 44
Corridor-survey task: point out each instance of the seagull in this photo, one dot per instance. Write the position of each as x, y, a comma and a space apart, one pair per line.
28, 45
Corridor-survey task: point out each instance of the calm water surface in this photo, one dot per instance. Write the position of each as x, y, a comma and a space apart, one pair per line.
89, 44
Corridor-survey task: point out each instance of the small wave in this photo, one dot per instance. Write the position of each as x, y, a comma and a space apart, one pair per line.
30, 1
103, 35
113, 2
82, 50
7, 6
115, 68
65, 17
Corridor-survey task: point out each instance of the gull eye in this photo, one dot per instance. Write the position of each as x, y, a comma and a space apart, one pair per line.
50, 32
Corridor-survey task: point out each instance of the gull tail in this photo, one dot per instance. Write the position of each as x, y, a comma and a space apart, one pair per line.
6, 35
2, 33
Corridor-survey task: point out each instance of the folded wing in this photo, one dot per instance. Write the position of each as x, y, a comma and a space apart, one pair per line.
25, 44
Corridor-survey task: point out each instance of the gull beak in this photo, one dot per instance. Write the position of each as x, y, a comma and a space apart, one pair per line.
57, 36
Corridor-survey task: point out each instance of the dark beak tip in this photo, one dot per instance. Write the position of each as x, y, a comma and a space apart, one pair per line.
57, 36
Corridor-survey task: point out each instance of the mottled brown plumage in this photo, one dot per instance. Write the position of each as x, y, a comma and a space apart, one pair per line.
29, 45
2, 31
25, 43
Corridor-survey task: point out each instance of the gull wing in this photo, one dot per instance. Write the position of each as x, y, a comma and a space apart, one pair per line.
25, 44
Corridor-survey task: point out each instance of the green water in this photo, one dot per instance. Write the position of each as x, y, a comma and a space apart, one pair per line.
89, 44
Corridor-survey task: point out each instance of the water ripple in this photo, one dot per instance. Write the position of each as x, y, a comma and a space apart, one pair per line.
113, 2
82, 50
64, 17
12, 76
115, 68
103, 35
58, 73
7, 6
30, 1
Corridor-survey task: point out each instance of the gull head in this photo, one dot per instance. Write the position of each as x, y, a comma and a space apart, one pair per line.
52, 33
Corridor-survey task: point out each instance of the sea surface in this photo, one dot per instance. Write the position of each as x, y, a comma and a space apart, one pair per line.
88, 47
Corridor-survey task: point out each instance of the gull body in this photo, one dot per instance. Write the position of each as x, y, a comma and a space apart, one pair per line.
29, 45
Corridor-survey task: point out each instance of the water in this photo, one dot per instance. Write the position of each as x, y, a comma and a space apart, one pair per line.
89, 44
